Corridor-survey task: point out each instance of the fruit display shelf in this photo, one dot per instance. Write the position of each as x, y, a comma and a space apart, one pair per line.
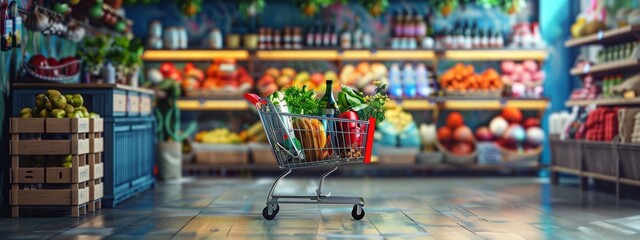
347, 55
607, 68
616, 35
201, 104
604, 102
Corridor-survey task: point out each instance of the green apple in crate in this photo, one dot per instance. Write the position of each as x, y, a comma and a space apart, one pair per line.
58, 113
43, 113
59, 102
77, 100
69, 108
26, 113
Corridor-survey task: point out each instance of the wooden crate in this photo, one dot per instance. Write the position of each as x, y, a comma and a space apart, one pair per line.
96, 125
78, 173
96, 189
96, 167
262, 154
221, 153
75, 198
49, 125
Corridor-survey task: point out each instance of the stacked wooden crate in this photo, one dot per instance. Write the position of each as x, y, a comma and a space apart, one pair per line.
39, 178
96, 167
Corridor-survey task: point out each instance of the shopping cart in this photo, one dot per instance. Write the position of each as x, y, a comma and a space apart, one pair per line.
302, 141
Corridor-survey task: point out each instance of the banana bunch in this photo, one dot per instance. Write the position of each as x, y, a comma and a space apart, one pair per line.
218, 136
399, 118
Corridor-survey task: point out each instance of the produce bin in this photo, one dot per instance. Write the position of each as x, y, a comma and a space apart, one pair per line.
599, 157
430, 158
221, 153
390, 155
629, 160
262, 154
565, 153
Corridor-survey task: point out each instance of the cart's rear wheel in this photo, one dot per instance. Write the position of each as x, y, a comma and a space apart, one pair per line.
265, 213
354, 212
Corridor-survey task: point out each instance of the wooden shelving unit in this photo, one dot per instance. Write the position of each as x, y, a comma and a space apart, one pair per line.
617, 35
193, 104
346, 55
607, 68
603, 102
495, 54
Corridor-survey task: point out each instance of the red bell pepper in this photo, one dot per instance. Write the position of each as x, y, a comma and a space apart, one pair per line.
351, 136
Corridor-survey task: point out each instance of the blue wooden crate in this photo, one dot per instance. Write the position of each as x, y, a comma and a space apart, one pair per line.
129, 158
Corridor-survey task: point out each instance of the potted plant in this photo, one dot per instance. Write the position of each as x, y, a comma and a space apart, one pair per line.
169, 134
93, 54
126, 55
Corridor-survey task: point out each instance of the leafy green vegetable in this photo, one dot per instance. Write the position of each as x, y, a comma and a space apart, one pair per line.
366, 106
301, 100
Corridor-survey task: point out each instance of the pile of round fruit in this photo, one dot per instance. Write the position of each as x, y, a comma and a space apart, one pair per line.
456, 136
511, 131
55, 105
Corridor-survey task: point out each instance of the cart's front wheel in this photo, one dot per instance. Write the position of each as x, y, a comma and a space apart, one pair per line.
265, 213
277, 210
354, 212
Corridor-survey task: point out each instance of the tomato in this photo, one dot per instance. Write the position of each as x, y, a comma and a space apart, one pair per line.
166, 68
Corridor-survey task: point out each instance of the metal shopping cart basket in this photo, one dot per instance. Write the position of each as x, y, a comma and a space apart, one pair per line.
302, 141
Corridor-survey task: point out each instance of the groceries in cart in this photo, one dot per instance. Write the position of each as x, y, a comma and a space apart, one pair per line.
335, 132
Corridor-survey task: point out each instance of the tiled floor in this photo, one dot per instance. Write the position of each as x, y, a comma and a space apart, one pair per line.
403, 208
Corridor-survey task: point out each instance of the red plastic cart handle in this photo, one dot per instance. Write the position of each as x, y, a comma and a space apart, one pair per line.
253, 99
369, 148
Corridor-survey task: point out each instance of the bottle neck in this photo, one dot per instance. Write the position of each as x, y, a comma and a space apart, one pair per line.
329, 91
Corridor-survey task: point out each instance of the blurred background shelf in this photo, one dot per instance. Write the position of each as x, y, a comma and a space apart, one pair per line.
203, 104
496, 54
617, 35
193, 55
603, 102
334, 55
607, 68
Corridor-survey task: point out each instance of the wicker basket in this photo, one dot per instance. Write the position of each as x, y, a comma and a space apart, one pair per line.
599, 157
509, 155
474, 93
565, 153
629, 160
63, 77
449, 157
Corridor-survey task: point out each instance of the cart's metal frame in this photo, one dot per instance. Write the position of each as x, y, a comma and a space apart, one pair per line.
264, 107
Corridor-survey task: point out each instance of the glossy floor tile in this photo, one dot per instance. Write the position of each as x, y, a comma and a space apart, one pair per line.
396, 208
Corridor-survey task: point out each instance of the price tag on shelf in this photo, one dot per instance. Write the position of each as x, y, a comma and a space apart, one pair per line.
227, 67
600, 35
586, 68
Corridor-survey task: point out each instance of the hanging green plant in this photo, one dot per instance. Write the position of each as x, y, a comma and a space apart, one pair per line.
189, 7
251, 8
375, 7
310, 7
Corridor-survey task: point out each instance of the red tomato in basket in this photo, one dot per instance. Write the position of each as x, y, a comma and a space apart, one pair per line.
38, 62
53, 63
71, 68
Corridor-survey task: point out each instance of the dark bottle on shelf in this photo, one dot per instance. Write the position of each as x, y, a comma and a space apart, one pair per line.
357, 34
17, 25
326, 36
317, 34
269, 39
334, 35
468, 36
276, 39
398, 26
310, 35
345, 36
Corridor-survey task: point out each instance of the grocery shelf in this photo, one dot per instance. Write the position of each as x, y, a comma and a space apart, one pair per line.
617, 35
496, 54
380, 55
604, 102
193, 55
607, 68
190, 104
334, 54
195, 104
298, 55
